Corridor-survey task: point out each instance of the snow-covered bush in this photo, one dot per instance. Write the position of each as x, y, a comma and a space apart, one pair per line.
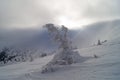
66, 54
99, 42
13, 55
48, 68
43, 55
66, 57
3, 55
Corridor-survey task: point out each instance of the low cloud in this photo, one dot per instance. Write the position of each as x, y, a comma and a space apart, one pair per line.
29, 13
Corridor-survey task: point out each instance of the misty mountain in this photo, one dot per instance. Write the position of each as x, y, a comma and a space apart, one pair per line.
105, 30
101, 61
40, 37
29, 38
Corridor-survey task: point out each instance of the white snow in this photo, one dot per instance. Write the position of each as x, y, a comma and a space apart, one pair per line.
105, 67
16, 70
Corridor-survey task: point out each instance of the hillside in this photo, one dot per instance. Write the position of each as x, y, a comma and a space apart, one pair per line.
106, 30
104, 67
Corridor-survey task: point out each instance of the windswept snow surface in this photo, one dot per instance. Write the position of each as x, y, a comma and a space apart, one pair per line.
105, 67
11, 72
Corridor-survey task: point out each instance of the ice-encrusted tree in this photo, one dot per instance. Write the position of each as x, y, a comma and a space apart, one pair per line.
99, 42
66, 54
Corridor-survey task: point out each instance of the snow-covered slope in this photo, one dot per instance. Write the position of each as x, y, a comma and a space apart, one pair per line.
16, 70
107, 30
105, 67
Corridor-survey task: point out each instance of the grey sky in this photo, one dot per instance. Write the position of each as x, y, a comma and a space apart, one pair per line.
31, 13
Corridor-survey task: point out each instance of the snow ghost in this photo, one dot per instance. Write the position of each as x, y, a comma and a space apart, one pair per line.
66, 54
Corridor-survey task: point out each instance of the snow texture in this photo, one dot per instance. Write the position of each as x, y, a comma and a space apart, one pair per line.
105, 67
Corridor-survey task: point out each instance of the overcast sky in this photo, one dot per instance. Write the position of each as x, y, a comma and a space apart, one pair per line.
72, 13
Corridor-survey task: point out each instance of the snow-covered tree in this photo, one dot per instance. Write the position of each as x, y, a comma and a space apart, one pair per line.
99, 42
66, 54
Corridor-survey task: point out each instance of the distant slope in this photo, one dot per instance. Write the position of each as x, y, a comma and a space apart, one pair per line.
38, 38
107, 30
